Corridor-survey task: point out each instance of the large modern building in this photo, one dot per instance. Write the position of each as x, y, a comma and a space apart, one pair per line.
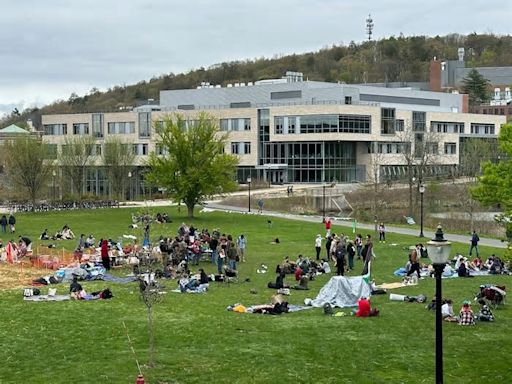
294, 131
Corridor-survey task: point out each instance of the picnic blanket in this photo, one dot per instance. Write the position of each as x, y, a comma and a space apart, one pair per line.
48, 298
115, 279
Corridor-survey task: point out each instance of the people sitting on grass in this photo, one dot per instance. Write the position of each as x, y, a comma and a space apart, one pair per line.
44, 235
447, 311
89, 242
484, 314
67, 233
303, 284
279, 282
324, 267
466, 316
364, 308
24, 246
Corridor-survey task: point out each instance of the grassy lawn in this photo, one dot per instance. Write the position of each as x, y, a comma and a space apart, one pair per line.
199, 341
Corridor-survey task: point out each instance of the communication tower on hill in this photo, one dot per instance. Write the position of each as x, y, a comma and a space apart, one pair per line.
369, 27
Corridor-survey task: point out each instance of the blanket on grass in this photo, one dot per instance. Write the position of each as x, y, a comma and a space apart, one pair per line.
48, 298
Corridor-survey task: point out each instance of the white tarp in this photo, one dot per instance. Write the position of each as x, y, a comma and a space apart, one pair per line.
343, 291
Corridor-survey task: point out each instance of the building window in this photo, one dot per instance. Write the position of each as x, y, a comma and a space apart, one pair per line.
348, 100
51, 151
419, 121
399, 125
450, 148
121, 128
446, 127
81, 129
247, 147
235, 148
433, 148
278, 125
96, 150
354, 124
55, 129
482, 129
97, 125
387, 121
144, 124
242, 124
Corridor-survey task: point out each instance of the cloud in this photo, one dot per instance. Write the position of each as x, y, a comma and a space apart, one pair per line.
54, 47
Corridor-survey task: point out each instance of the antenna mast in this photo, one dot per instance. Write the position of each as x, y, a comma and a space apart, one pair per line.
369, 27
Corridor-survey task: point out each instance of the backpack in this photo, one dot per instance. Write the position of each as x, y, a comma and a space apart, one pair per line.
328, 309
106, 294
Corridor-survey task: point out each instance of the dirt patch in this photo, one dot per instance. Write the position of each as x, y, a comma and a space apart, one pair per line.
17, 275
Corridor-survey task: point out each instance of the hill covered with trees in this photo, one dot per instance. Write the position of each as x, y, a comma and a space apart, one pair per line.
394, 59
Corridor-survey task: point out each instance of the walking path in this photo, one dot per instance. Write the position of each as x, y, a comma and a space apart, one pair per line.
214, 205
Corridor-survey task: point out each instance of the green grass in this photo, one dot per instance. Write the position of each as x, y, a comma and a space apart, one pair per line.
199, 341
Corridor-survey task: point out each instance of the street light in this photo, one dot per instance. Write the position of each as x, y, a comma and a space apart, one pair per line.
323, 202
54, 188
129, 183
249, 184
439, 251
422, 191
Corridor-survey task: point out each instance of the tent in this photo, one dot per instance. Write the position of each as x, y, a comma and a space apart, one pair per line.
341, 291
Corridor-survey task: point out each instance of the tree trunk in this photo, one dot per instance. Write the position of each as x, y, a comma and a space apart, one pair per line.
151, 332
190, 210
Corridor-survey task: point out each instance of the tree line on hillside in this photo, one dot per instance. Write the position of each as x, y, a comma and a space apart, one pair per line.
394, 59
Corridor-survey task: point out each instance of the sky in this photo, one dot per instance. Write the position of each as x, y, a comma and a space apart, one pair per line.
51, 48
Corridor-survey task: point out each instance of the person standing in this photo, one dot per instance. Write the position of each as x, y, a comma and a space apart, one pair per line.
328, 225
415, 262
340, 257
328, 247
12, 223
242, 242
382, 233
359, 245
3, 223
367, 253
351, 252
105, 258
318, 246
474, 243
260, 205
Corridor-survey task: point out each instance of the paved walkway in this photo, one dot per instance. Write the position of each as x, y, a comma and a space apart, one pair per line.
360, 226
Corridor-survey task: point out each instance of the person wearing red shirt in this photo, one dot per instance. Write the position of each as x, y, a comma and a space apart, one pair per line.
328, 224
364, 307
105, 258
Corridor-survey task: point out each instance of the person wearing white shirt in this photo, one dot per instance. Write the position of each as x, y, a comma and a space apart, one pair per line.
318, 246
447, 311
324, 267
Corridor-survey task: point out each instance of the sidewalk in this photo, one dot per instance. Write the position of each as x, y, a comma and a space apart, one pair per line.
362, 226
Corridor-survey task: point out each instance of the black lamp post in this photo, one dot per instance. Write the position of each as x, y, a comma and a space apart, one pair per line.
249, 184
422, 192
54, 174
323, 202
439, 251
129, 183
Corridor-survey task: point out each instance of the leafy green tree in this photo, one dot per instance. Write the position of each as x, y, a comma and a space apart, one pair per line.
74, 158
495, 185
117, 157
477, 87
194, 165
26, 165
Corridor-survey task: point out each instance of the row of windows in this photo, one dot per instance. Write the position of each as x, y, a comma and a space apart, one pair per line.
322, 124
121, 128
243, 124
446, 127
138, 149
482, 129
241, 148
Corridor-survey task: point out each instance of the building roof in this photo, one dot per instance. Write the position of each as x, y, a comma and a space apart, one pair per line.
13, 129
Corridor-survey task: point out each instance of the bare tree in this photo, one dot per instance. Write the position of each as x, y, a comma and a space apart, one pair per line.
375, 179
118, 158
420, 151
74, 158
150, 296
27, 165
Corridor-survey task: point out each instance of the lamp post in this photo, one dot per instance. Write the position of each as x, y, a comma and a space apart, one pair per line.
439, 251
129, 183
323, 202
422, 191
249, 184
54, 174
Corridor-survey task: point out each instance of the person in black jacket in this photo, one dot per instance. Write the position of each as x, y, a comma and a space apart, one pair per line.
3, 223
12, 223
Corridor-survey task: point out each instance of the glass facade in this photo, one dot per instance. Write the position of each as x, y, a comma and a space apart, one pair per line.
97, 125
322, 124
313, 162
144, 124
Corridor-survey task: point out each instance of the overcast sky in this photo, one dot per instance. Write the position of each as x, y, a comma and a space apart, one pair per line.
51, 48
